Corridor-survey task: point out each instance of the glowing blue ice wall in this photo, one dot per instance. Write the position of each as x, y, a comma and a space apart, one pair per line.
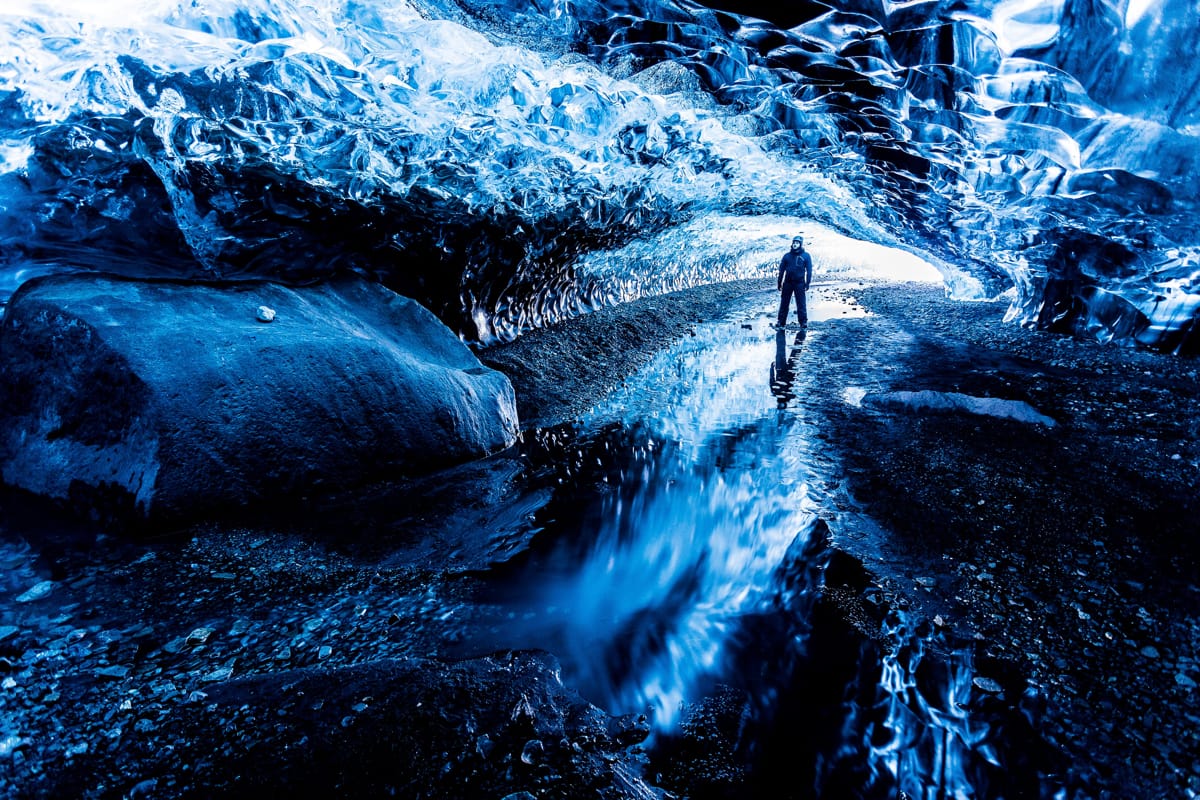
469, 154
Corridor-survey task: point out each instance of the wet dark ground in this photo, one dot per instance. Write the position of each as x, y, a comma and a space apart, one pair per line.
285, 651
1068, 554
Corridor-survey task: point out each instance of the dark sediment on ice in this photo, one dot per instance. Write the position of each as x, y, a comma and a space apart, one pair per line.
567, 367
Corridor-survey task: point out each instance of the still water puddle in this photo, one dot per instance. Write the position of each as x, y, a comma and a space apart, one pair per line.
686, 548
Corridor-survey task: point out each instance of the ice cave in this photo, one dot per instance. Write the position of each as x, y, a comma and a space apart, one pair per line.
392, 401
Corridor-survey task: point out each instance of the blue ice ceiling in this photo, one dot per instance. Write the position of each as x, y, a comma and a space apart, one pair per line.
479, 155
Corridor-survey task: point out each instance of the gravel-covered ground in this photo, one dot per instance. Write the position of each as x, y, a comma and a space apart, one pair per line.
1069, 551
171, 666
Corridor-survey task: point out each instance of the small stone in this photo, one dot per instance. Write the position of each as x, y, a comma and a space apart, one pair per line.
115, 672
8, 630
37, 592
143, 789
219, 674
484, 745
1184, 681
198, 636
1150, 651
265, 314
325, 652
988, 685
175, 645
532, 752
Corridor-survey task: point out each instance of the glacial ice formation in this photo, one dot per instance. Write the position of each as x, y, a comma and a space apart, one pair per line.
481, 155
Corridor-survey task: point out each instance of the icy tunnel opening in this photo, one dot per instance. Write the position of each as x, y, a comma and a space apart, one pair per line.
722, 247
726, 247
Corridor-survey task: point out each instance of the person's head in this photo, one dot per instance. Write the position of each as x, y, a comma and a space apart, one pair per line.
798, 243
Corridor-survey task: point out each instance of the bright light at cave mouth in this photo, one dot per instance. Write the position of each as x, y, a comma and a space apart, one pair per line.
720, 247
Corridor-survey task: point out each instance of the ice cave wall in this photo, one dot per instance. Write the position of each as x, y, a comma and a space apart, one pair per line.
470, 153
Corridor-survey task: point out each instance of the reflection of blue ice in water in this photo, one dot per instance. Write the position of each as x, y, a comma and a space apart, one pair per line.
928, 740
672, 568
716, 492
709, 526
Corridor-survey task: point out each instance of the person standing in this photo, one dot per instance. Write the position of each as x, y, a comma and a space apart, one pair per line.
795, 275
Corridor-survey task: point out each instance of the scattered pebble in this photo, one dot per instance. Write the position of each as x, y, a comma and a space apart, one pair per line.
219, 674
198, 636
532, 752
117, 672
38, 591
988, 685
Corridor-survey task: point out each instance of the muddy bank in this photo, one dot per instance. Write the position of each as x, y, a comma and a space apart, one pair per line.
566, 368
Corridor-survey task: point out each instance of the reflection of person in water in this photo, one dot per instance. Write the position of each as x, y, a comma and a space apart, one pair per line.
783, 368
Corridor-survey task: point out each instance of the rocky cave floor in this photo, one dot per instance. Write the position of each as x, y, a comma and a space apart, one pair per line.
305, 648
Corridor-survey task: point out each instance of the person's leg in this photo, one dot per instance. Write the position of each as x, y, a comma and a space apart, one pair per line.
785, 298
801, 306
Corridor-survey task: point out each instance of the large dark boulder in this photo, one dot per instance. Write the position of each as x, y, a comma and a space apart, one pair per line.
166, 400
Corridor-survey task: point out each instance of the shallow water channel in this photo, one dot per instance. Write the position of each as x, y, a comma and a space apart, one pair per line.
685, 548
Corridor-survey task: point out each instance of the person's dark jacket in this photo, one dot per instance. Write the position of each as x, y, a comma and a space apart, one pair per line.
795, 268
